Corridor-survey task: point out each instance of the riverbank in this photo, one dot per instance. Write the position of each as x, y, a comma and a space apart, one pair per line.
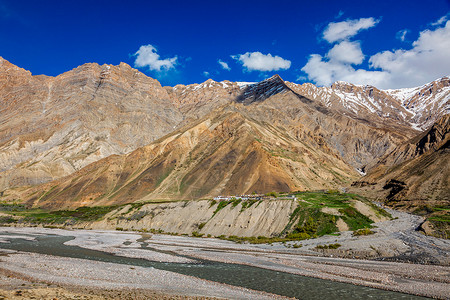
416, 279
14, 286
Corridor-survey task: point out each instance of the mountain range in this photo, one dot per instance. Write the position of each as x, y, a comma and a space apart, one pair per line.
101, 135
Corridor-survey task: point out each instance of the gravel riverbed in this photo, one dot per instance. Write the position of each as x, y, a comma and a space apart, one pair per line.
401, 259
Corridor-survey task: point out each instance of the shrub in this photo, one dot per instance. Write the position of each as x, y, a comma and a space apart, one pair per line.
7, 220
330, 246
272, 194
196, 234
298, 236
363, 231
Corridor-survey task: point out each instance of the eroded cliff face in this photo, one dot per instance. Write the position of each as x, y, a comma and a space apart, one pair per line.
268, 218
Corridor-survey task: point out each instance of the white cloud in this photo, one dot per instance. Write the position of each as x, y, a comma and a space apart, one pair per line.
256, 61
325, 72
206, 73
401, 35
147, 56
224, 65
441, 21
427, 60
346, 29
346, 52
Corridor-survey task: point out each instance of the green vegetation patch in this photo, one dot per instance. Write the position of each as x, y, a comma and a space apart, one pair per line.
248, 204
221, 205
354, 219
234, 202
363, 231
329, 246
308, 220
39, 216
313, 222
441, 226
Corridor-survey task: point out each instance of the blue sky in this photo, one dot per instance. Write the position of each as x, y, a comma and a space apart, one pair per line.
389, 44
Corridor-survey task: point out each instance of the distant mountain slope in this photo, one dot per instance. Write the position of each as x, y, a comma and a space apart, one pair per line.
224, 153
417, 108
52, 127
416, 177
359, 142
417, 173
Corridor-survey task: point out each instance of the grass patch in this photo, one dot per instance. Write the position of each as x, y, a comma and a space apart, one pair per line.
329, 246
196, 234
7, 220
221, 205
235, 202
39, 216
354, 219
247, 204
308, 220
363, 231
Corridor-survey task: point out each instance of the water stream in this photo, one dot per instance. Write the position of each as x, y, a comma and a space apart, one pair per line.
280, 283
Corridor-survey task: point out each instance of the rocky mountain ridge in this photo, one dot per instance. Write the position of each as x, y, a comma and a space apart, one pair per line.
409, 107
55, 126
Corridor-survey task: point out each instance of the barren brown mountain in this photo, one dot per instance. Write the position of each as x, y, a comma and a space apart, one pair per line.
110, 134
53, 126
418, 171
416, 177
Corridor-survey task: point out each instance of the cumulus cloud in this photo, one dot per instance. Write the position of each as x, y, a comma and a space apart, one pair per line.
147, 56
256, 61
224, 65
346, 52
401, 35
427, 60
325, 72
338, 31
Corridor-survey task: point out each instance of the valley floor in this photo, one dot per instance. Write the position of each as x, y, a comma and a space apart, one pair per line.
406, 261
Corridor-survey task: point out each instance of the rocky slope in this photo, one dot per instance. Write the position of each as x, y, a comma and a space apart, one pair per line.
225, 153
417, 108
416, 177
53, 126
